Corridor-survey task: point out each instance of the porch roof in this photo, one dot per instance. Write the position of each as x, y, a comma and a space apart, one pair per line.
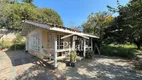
54, 27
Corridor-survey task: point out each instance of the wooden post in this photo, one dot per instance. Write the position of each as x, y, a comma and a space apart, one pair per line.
27, 43
73, 43
91, 44
55, 51
84, 53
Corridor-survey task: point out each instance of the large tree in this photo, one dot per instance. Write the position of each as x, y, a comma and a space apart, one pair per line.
28, 1
97, 23
128, 23
12, 15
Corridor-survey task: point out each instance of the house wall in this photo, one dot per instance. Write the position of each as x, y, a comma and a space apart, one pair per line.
48, 42
34, 42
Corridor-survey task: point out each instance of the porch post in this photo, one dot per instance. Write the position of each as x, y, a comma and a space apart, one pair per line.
84, 53
73, 43
91, 44
55, 51
27, 43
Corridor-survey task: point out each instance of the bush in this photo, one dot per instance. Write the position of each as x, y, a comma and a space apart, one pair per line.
89, 54
124, 51
19, 46
4, 44
18, 43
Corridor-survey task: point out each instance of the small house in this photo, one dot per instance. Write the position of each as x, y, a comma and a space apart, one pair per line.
55, 42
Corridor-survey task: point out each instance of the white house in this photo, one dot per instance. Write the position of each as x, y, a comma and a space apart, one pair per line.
55, 42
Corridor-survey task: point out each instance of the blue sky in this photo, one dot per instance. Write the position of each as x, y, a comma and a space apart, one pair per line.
75, 12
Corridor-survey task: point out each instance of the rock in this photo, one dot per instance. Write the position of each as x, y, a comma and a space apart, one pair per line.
61, 66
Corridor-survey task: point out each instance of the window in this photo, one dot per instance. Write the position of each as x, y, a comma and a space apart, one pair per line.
59, 42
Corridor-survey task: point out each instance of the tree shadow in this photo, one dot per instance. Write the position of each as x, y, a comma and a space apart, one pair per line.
93, 70
38, 70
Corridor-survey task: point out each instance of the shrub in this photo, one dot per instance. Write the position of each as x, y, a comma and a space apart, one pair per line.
19, 46
89, 54
4, 44
18, 43
73, 56
117, 50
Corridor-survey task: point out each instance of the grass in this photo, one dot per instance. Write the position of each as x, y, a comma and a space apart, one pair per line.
120, 50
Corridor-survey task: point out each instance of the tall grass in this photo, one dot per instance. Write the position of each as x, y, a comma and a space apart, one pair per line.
125, 51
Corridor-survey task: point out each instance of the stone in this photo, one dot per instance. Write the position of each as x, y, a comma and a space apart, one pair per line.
61, 66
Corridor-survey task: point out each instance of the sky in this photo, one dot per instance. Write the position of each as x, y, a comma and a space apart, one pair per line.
75, 12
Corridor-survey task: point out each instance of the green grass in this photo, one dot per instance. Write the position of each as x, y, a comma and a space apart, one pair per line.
120, 50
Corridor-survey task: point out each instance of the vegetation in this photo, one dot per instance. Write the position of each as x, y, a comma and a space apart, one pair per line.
12, 15
125, 51
117, 32
97, 22
4, 44
89, 54
17, 44
127, 27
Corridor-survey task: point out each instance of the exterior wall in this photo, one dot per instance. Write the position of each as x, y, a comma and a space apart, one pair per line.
48, 42
29, 43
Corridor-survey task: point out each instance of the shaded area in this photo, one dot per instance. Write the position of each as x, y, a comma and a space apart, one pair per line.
19, 58
36, 72
28, 67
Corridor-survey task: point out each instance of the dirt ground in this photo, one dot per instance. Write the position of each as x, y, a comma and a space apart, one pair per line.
102, 68
17, 65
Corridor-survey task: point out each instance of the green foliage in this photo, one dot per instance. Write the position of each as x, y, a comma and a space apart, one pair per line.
73, 56
28, 1
13, 15
4, 44
18, 39
19, 46
97, 23
127, 27
125, 51
48, 16
89, 54
18, 43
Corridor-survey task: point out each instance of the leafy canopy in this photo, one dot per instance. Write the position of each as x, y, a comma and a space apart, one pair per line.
127, 27
97, 23
13, 14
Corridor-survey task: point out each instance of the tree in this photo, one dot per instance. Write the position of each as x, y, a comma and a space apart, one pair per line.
97, 23
12, 15
48, 16
28, 1
129, 22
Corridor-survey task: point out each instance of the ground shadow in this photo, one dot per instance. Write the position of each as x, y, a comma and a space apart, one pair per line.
93, 70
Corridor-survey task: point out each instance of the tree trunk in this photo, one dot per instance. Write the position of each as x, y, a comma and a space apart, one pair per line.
138, 46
